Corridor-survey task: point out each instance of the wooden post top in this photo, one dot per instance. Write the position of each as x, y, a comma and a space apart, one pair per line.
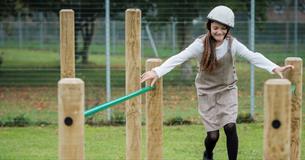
277, 82
66, 10
133, 10
293, 59
70, 81
154, 60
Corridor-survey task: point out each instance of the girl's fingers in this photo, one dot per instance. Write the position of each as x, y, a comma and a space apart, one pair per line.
143, 75
288, 67
143, 79
153, 81
278, 71
146, 77
149, 75
280, 74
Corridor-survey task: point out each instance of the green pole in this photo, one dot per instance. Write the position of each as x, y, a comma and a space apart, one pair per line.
116, 101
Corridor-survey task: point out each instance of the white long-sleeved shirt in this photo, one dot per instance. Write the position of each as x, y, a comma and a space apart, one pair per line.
195, 50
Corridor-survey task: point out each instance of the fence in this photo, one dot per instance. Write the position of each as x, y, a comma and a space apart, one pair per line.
271, 37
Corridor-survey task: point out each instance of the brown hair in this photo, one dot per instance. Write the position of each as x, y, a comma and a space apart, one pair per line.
208, 60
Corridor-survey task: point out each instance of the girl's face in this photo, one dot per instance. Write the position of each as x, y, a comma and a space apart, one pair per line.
218, 31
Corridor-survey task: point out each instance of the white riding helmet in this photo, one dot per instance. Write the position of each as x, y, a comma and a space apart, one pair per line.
223, 15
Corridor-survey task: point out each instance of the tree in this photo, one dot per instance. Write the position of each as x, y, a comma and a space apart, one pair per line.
86, 13
8, 8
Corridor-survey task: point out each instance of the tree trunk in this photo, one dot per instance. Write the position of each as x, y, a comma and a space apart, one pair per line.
87, 33
78, 29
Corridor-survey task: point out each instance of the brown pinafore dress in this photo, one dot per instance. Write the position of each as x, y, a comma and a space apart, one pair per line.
217, 93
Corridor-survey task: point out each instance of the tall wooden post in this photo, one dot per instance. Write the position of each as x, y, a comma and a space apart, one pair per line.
71, 118
295, 77
154, 116
67, 50
277, 101
133, 73
70, 95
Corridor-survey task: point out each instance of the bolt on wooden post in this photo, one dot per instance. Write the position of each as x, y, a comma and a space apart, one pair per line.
295, 77
133, 74
154, 115
277, 101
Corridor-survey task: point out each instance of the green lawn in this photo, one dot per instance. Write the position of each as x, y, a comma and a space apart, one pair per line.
180, 143
35, 58
18, 58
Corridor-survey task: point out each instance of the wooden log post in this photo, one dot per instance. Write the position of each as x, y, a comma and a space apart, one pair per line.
133, 74
277, 101
70, 95
67, 44
71, 118
295, 77
154, 116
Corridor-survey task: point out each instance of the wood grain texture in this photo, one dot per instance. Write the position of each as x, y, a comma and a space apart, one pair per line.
133, 73
277, 119
295, 77
71, 103
154, 116
67, 44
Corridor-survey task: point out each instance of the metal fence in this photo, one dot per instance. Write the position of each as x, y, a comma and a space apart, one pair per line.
271, 37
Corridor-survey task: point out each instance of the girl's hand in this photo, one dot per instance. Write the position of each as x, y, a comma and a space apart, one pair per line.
149, 75
280, 70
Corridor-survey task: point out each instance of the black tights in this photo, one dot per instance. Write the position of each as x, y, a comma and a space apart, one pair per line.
232, 141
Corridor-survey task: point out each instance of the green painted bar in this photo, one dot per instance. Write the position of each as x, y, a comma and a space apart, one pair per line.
116, 101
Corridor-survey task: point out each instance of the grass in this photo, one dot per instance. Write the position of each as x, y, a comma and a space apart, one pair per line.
17, 58
108, 142
41, 58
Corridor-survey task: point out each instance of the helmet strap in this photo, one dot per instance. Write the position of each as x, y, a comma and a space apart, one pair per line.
227, 33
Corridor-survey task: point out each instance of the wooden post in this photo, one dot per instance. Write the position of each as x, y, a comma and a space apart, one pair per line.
70, 95
277, 101
71, 118
295, 77
154, 116
133, 74
67, 53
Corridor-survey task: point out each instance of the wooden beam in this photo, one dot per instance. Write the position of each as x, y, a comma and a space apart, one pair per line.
133, 73
154, 116
71, 102
295, 77
67, 44
277, 101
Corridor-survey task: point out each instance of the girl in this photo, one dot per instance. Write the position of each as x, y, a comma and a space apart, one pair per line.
216, 80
